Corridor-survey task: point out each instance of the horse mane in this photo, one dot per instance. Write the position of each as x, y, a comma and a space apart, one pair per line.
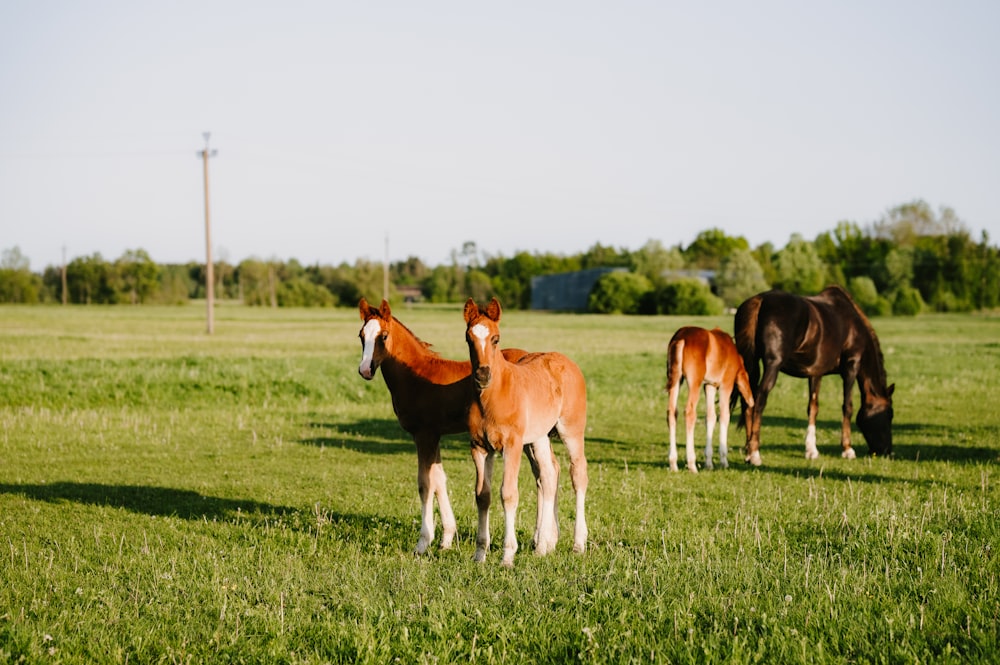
880, 364
426, 346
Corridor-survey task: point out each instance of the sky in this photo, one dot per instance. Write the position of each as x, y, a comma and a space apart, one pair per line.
366, 130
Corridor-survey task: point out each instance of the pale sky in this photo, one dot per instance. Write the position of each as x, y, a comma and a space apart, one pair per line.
537, 126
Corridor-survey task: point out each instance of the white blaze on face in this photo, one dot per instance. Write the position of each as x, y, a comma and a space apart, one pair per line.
369, 333
481, 332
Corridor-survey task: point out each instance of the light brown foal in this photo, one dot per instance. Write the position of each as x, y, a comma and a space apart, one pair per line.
518, 403
710, 357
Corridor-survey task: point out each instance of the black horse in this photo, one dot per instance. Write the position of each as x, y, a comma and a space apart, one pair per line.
810, 337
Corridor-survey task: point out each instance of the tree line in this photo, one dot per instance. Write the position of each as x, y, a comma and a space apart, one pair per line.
911, 260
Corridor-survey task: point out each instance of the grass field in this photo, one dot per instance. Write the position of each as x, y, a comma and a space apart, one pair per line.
166, 496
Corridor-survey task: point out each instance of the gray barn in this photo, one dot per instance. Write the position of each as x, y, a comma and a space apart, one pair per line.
567, 291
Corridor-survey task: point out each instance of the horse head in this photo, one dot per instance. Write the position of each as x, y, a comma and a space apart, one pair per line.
875, 422
374, 335
482, 333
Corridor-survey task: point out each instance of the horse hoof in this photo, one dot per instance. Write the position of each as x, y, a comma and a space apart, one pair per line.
692, 468
479, 556
708, 465
421, 547
848, 454
673, 466
754, 458
812, 454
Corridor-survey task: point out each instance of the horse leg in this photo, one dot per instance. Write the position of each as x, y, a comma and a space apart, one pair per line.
811, 412
695, 379
770, 377
483, 459
724, 414
532, 455
578, 474
509, 496
440, 480
546, 533
847, 452
428, 453
710, 392
673, 393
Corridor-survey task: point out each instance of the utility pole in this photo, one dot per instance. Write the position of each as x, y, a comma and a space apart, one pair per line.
65, 297
209, 270
385, 270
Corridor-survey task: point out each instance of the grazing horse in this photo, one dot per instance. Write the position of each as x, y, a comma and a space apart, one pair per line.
517, 403
810, 337
710, 357
430, 397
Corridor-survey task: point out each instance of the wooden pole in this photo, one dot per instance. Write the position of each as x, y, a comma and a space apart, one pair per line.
209, 268
65, 295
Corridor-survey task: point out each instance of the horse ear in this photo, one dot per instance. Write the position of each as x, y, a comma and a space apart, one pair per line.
384, 310
891, 390
493, 310
363, 307
471, 310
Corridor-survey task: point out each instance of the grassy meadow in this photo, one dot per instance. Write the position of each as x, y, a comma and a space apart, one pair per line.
169, 496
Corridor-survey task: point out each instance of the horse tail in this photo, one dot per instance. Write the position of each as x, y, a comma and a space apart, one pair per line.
675, 362
745, 326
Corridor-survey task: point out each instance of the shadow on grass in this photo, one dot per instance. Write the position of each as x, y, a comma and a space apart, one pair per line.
379, 436
366, 530
914, 442
149, 500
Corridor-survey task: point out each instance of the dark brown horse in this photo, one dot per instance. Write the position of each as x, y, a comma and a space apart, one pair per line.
431, 396
810, 337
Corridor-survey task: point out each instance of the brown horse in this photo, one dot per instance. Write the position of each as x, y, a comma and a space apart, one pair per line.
518, 403
710, 357
810, 337
431, 397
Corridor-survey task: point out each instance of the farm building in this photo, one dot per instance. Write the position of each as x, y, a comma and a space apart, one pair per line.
565, 292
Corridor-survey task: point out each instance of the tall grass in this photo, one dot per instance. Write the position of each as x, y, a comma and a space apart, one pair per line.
166, 496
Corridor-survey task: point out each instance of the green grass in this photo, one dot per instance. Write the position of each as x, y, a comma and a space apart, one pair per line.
166, 496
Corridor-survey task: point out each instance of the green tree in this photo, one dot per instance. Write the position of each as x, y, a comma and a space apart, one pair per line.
799, 268
907, 222
175, 285
301, 292
600, 256
739, 277
253, 277
907, 302
90, 279
899, 268
17, 283
618, 292
764, 254
986, 275
654, 261
867, 297
687, 296
478, 286
711, 247
138, 277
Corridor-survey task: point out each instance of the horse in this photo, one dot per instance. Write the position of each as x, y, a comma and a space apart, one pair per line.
431, 397
517, 403
810, 337
710, 357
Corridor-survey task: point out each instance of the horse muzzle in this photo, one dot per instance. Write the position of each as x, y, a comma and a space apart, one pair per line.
367, 371
482, 377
